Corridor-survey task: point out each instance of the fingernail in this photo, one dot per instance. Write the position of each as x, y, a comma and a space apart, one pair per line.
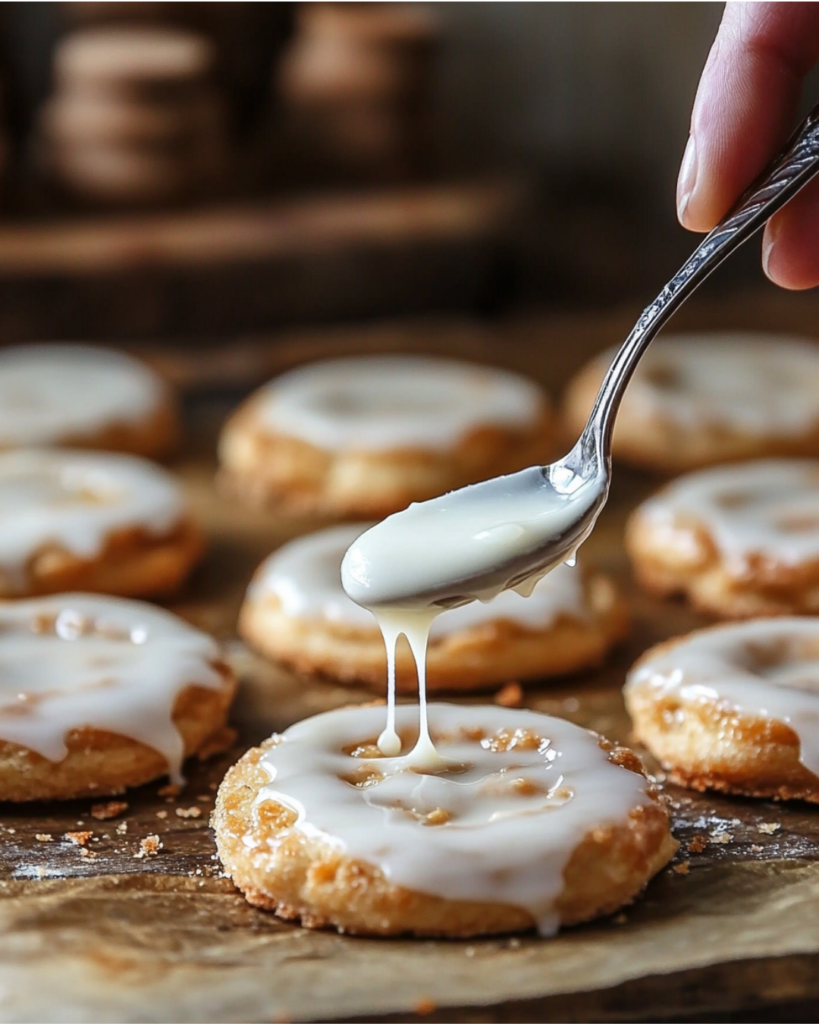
687, 179
769, 240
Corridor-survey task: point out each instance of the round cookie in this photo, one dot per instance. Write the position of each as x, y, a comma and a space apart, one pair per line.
696, 400
92, 521
296, 612
132, 60
365, 436
734, 708
317, 826
98, 694
83, 396
736, 540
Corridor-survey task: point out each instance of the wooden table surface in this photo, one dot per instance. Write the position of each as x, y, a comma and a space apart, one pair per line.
98, 933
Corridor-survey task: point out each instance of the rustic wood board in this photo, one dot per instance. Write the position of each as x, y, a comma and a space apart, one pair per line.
225, 268
114, 937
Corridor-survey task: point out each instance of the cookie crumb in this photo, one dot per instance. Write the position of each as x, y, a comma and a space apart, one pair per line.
122, 827
697, 844
85, 852
423, 1007
682, 868
149, 847
162, 814
755, 848
43, 837
111, 809
768, 827
172, 789
189, 812
78, 838
619, 919
510, 696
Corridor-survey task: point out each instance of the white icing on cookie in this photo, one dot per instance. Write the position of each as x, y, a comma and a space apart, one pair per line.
767, 509
755, 384
383, 402
764, 667
75, 660
75, 500
305, 576
53, 392
502, 840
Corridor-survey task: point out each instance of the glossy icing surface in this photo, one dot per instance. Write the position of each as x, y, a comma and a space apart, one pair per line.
767, 509
752, 383
53, 392
75, 500
77, 660
383, 402
497, 822
764, 667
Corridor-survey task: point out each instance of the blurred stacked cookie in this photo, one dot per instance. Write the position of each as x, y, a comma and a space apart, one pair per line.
354, 85
135, 116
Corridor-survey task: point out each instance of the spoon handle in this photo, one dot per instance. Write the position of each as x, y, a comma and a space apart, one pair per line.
781, 180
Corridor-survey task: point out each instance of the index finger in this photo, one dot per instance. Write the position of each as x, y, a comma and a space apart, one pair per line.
745, 104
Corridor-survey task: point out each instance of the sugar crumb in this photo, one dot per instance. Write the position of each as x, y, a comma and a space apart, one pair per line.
720, 838
43, 837
189, 812
122, 827
149, 847
755, 848
162, 814
768, 827
110, 809
85, 852
510, 696
78, 838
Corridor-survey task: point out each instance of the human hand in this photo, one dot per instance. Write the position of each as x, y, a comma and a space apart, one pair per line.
743, 113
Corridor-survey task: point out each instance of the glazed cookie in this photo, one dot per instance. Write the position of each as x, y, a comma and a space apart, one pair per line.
535, 823
81, 396
736, 540
734, 708
296, 612
696, 400
99, 694
92, 521
366, 436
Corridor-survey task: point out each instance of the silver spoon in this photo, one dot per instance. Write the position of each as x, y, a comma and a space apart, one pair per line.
579, 482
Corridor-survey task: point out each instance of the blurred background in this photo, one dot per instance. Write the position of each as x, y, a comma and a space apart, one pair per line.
191, 172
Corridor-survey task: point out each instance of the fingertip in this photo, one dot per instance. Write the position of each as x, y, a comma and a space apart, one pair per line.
790, 244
